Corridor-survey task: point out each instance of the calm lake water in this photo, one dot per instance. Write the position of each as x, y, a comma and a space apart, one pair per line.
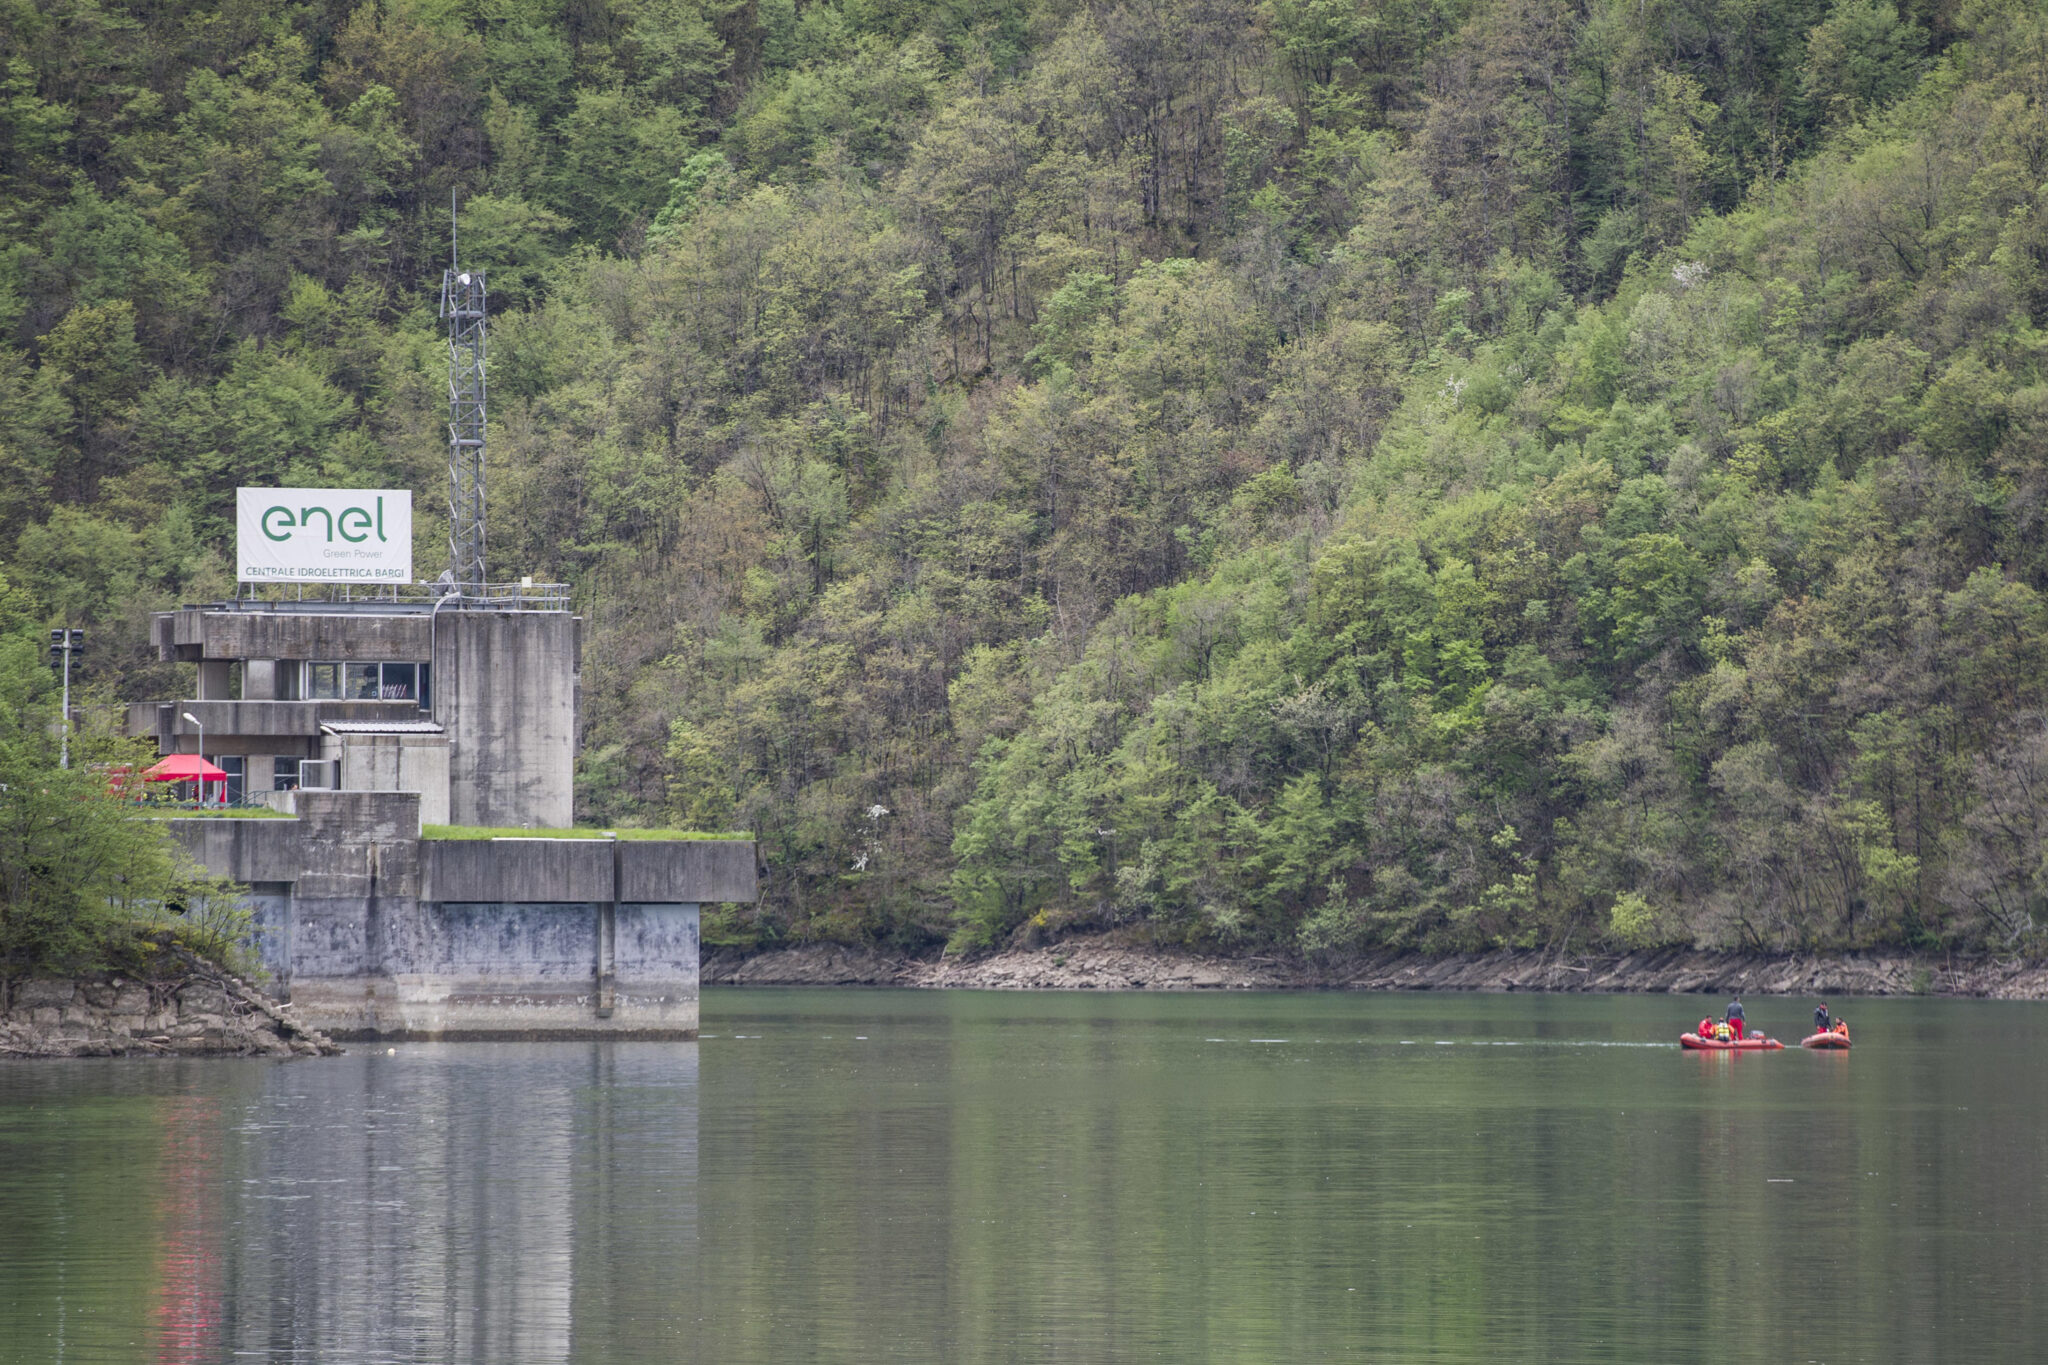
856, 1176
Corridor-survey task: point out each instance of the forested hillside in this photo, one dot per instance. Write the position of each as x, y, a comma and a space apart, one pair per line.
1274, 472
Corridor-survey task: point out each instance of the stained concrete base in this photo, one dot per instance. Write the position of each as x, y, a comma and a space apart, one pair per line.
421, 1007
372, 934
499, 970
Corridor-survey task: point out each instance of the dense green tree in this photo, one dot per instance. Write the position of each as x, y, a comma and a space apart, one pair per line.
79, 874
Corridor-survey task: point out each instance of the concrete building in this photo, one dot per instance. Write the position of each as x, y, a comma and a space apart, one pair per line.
474, 709
362, 720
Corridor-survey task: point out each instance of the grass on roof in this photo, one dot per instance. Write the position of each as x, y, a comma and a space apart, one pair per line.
487, 832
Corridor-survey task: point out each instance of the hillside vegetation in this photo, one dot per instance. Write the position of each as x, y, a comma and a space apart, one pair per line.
1309, 473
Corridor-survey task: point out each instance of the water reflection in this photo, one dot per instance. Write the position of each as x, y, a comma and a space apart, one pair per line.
483, 1203
187, 1321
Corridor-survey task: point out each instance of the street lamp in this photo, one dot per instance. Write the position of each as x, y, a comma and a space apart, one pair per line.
201, 726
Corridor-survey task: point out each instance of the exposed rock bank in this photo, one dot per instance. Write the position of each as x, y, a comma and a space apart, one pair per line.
1107, 964
187, 1007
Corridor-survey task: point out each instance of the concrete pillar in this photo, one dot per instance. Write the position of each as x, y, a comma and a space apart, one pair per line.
505, 688
216, 679
259, 680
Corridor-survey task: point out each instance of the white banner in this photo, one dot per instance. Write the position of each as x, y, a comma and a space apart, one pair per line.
346, 535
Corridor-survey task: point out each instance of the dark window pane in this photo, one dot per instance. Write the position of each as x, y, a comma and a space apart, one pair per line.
399, 680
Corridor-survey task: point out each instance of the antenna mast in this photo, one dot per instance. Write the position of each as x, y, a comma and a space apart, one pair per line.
462, 305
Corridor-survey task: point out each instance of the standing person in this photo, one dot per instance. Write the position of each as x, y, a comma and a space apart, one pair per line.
1735, 1017
1821, 1023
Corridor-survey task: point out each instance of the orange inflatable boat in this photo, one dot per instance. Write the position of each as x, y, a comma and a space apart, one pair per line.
1756, 1042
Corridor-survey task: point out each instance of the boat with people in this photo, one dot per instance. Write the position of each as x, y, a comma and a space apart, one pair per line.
1834, 1038
1755, 1042
1727, 1035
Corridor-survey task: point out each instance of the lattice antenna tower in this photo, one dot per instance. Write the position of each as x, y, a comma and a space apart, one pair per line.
462, 305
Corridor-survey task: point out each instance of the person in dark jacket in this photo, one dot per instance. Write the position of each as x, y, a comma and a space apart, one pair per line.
1735, 1017
1821, 1022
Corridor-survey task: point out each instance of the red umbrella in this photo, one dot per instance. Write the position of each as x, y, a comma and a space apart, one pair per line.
184, 768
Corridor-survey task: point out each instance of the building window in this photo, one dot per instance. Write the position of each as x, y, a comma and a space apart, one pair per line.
235, 766
284, 774
370, 682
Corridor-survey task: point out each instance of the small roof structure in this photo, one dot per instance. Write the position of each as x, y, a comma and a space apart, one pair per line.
184, 768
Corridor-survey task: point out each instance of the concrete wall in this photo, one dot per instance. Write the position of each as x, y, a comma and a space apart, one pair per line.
333, 820
523, 970
656, 871
395, 763
216, 680
505, 687
248, 850
371, 932
271, 902
517, 870
196, 633
720, 870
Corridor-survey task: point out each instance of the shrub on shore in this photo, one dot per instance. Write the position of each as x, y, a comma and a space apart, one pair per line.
83, 883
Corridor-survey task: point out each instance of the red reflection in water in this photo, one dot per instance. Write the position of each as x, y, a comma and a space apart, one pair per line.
187, 1315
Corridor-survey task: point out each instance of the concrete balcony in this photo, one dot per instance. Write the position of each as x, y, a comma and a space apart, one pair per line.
230, 720
196, 634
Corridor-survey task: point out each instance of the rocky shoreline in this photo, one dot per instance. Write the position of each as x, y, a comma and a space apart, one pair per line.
185, 1007
1105, 963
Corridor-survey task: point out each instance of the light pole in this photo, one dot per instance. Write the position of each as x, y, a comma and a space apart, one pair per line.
201, 726
64, 644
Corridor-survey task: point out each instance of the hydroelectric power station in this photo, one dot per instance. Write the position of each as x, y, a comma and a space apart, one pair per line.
376, 706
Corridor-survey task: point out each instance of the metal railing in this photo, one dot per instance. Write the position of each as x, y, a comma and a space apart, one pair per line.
404, 597
158, 803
